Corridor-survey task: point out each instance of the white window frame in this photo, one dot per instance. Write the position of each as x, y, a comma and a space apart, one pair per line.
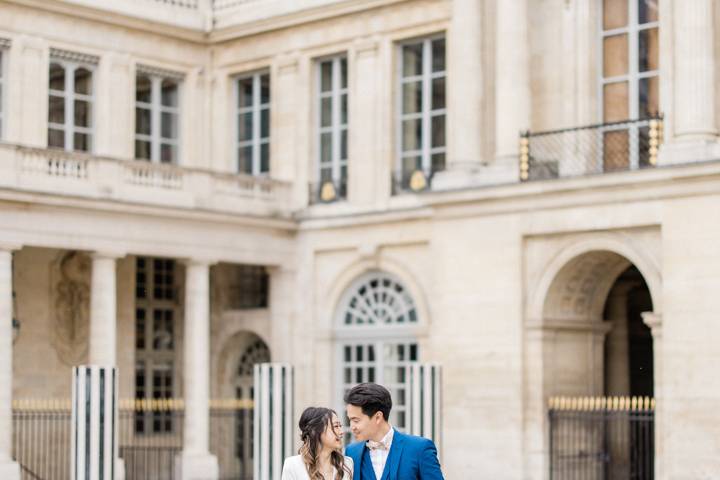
69, 96
633, 76
256, 109
336, 127
379, 336
426, 77
156, 110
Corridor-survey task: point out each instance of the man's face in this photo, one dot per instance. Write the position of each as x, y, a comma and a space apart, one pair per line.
363, 427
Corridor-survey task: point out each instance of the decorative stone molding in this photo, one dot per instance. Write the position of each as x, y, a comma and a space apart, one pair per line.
654, 322
77, 57
5, 43
160, 72
71, 275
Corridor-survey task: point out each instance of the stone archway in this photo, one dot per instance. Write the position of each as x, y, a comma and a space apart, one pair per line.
565, 329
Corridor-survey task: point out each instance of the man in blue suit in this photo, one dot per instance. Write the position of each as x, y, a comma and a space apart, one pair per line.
383, 453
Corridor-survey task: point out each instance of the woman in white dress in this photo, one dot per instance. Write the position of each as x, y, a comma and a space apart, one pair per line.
321, 455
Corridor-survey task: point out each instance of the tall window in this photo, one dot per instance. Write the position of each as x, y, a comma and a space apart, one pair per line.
422, 108
253, 124
376, 337
70, 103
157, 116
156, 315
333, 126
2, 87
630, 78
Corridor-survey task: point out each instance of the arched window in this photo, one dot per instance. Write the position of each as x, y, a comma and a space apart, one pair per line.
376, 324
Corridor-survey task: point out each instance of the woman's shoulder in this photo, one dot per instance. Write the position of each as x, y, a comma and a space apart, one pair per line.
294, 462
348, 460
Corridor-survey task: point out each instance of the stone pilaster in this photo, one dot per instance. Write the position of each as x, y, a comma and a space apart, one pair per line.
8, 468
195, 459
654, 321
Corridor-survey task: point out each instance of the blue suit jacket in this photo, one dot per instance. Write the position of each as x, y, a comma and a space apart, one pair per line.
410, 458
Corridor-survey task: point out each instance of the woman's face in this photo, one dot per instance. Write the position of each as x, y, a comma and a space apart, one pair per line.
332, 436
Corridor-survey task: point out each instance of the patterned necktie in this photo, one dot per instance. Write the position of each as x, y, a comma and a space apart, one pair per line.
372, 445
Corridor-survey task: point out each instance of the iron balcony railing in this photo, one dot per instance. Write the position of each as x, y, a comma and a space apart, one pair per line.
602, 438
328, 191
414, 181
592, 149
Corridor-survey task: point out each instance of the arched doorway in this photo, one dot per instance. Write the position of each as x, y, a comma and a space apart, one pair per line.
585, 341
240, 354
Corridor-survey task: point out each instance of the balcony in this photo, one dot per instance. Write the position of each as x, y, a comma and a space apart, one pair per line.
329, 191
590, 150
55, 172
414, 181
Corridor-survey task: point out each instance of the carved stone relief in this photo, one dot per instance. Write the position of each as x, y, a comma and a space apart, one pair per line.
71, 276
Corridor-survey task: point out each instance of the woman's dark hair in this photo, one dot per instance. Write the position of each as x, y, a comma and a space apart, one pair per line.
313, 423
371, 398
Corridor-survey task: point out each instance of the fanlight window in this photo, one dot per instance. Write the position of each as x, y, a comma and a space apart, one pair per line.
380, 300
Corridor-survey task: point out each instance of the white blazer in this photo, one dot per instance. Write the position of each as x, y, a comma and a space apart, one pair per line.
294, 469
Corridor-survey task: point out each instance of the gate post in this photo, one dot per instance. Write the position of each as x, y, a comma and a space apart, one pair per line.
94, 452
424, 387
273, 426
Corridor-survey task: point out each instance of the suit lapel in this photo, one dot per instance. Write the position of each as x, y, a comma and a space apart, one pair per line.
393, 460
366, 467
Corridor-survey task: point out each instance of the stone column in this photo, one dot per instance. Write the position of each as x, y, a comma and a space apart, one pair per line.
695, 120
654, 321
282, 313
8, 468
103, 311
464, 96
512, 83
195, 459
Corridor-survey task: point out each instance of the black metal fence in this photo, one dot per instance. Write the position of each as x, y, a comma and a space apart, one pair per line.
150, 438
602, 438
592, 149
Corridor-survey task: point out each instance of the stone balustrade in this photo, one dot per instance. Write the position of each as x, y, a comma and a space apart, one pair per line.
55, 172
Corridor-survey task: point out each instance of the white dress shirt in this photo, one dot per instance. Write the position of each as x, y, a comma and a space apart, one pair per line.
379, 457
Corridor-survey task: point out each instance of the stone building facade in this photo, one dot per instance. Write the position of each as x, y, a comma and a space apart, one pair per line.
188, 187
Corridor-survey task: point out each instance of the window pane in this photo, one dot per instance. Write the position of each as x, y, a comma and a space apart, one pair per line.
615, 102
438, 162
142, 150
142, 121
412, 59
83, 81
412, 134
648, 10
265, 158
82, 113
143, 89
326, 76
245, 127
616, 150
169, 93
325, 147
649, 90
343, 73
410, 164
438, 55
57, 77
265, 123
615, 55
438, 131
343, 145
343, 109
81, 142
412, 97
168, 125
648, 50
615, 14
168, 153
438, 93
56, 138
325, 112
265, 89
245, 160
56, 113
245, 96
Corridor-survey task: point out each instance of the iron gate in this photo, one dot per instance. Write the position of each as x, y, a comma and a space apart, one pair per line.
602, 438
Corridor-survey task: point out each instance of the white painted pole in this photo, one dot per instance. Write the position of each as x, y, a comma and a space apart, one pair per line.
273, 425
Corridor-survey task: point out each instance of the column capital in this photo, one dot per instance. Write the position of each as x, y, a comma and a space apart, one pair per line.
107, 254
10, 246
654, 321
199, 261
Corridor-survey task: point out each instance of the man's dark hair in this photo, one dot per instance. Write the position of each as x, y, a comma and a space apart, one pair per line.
371, 398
